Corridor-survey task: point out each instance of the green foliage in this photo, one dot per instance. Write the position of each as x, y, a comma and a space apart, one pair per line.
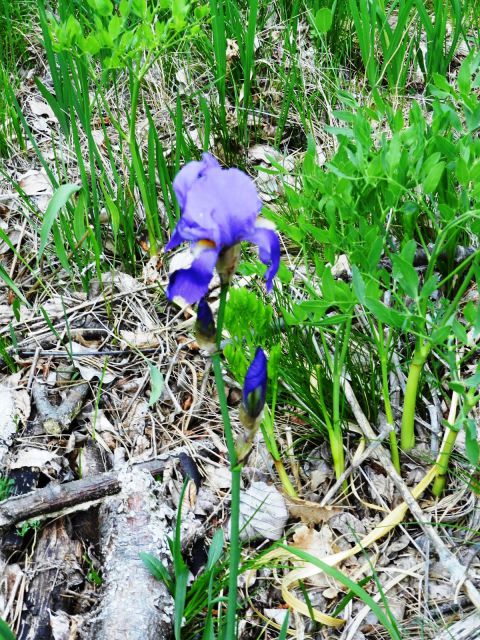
6, 486
381, 201
248, 321
5, 631
26, 527
392, 37
203, 592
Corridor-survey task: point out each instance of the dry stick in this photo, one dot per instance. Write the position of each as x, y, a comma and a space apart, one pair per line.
356, 463
81, 494
55, 418
456, 570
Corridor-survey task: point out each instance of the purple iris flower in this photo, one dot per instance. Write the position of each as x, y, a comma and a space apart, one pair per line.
219, 209
255, 385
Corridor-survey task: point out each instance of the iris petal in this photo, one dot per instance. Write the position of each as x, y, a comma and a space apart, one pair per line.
192, 283
268, 251
187, 176
224, 202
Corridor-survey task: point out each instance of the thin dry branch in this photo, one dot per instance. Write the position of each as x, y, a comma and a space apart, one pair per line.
53, 418
55, 499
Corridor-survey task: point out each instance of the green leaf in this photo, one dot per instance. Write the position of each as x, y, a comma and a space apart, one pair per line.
216, 550
405, 274
158, 570
430, 183
471, 442
5, 631
59, 200
384, 314
11, 284
156, 384
102, 7
323, 19
358, 284
386, 620
139, 8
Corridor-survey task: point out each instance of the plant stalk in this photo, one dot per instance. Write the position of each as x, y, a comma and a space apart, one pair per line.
386, 399
235, 469
407, 436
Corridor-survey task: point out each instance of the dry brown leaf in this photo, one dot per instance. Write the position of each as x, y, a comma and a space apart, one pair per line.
310, 512
317, 543
32, 457
41, 108
263, 512
139, 339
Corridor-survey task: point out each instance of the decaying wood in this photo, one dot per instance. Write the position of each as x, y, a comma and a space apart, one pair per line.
465, 629
457, 572
56, 419
133, 604
55, 569
54, 499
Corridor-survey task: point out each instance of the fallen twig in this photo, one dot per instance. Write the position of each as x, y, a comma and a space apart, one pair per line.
55, 499
55, 419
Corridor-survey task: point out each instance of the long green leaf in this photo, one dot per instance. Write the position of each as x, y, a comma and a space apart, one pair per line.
5, 631
59, 200
387, 621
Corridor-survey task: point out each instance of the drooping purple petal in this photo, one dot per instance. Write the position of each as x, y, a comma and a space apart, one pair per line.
190, 173
192, 283
255, 385
268, 251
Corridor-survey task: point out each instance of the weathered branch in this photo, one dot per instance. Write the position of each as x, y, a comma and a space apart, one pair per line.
57, 498
55, 419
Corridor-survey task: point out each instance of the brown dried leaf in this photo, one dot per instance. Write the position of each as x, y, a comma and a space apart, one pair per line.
310, 512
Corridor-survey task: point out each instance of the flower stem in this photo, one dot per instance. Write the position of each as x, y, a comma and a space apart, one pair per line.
235, 469
407, 436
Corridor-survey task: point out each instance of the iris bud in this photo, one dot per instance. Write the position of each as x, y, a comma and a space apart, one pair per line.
205, 330
254, 390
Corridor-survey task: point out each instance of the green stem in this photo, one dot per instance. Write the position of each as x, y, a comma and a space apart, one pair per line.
386, 401
235, 469
284, 479
442, 462
407, 436
335, 435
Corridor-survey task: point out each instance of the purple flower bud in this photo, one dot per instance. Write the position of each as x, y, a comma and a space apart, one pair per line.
205, 330
219, 209
255, 386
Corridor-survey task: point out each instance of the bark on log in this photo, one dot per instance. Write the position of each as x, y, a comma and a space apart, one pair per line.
466, 629
134, 605
56, 569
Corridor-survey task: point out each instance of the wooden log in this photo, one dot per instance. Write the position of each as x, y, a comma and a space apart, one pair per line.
133, 604
55, 569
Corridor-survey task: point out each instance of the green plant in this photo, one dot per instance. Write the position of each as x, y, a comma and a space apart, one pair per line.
6, 487
202, 594
26, 527
382, 203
